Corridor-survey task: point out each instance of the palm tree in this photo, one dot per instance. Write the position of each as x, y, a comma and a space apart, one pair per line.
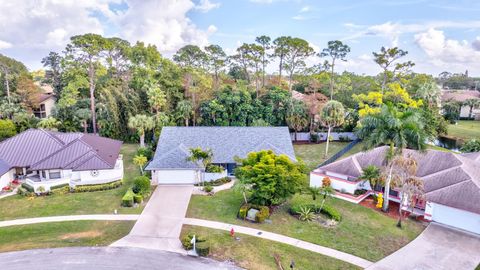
140, 161
141, 123
49, 123
430, 93
325, 191
371, 173
396, 129
83, 115
184, 111
472, 104
314, 191
297, 122
201, 158
332, 115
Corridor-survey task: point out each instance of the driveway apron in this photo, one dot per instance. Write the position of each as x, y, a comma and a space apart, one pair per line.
436, 248
160, 223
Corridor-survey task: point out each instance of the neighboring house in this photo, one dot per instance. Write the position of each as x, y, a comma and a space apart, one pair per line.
170, 165
451, 183
461, 96
46, 159
45, 105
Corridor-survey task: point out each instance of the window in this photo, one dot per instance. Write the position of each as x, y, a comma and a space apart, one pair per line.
44, 175
55, 174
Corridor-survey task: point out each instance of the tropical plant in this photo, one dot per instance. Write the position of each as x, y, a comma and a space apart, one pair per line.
325, 192
336, 50
49, 123
306, 214
472, 145
332, 115
472, 104
396, 129
202, 158
271, 178
371, 173
141, 123
314, 191
140, 161
7, 129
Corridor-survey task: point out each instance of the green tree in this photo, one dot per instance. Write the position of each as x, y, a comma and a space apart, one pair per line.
156, 97
87, 49
216, 61
272, 178
297, 118
336, 50
201, 158
280, 50
49, 123
191, 56
264, 41
472, 104
396, 129
386, 59
372, 174
332, 115
184, 111
314, 191
7, 129
83, 115
140, 161
298, 50
141, 123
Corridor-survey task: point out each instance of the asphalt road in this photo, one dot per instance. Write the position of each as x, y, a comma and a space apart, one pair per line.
100, 258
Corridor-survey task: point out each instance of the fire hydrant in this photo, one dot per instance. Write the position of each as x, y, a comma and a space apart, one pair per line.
379, 200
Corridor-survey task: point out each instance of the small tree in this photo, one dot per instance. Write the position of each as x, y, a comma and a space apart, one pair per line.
201, 158
371, 173
405, 180
326, 191
141, 123
332, 115
7, 129
472, 104
272, 178
297, 122
314, 191
140, 161
49, 123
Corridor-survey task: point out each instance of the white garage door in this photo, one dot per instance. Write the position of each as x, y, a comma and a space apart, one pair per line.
456, 218
175, 176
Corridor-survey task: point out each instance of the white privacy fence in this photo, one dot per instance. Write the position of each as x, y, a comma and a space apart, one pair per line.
322, 136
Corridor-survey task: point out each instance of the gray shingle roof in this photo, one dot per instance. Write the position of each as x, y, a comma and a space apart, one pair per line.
449, 179
39, 149
226, 143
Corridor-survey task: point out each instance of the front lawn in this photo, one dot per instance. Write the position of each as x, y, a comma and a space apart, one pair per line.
362, 232
99, 202
465, 130
255, 253
63, 234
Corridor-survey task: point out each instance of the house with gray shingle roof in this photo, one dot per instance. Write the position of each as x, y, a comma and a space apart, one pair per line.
451, 183
46, 159
170, 165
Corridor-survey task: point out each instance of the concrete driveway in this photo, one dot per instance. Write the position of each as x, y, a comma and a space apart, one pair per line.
160, 223
438, 247
104, 258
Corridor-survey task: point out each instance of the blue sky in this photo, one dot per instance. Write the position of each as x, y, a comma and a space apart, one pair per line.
439, 35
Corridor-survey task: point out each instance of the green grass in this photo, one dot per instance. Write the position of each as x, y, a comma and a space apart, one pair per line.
255, 253
465, 130
100, 202
314, 154
62, 234
362, 232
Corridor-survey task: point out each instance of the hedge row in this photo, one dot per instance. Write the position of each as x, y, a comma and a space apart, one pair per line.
329, 211
128, 198
217, 182
201, 245
97, 187
262, 214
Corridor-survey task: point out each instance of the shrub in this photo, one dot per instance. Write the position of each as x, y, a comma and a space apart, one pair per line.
141, 185
344, 138
127, 199
211, 168
7, 129
24, 192
97, 187
27, 187
203, 248
242, 213
262, 214
359, 192
58, 186
314, 137
41, 189
60, 191
146, 152
331, 212
217, 182
208, 188
137, 198
187, 241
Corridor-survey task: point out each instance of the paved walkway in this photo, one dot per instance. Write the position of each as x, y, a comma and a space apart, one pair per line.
27, 221
160, 223
282, 239
436, 248
13, 192
105, 258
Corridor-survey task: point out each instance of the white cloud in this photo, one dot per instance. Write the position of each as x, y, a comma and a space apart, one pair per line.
305, 9
5, 45
444, 52
206, 6
262, 1
298, 18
